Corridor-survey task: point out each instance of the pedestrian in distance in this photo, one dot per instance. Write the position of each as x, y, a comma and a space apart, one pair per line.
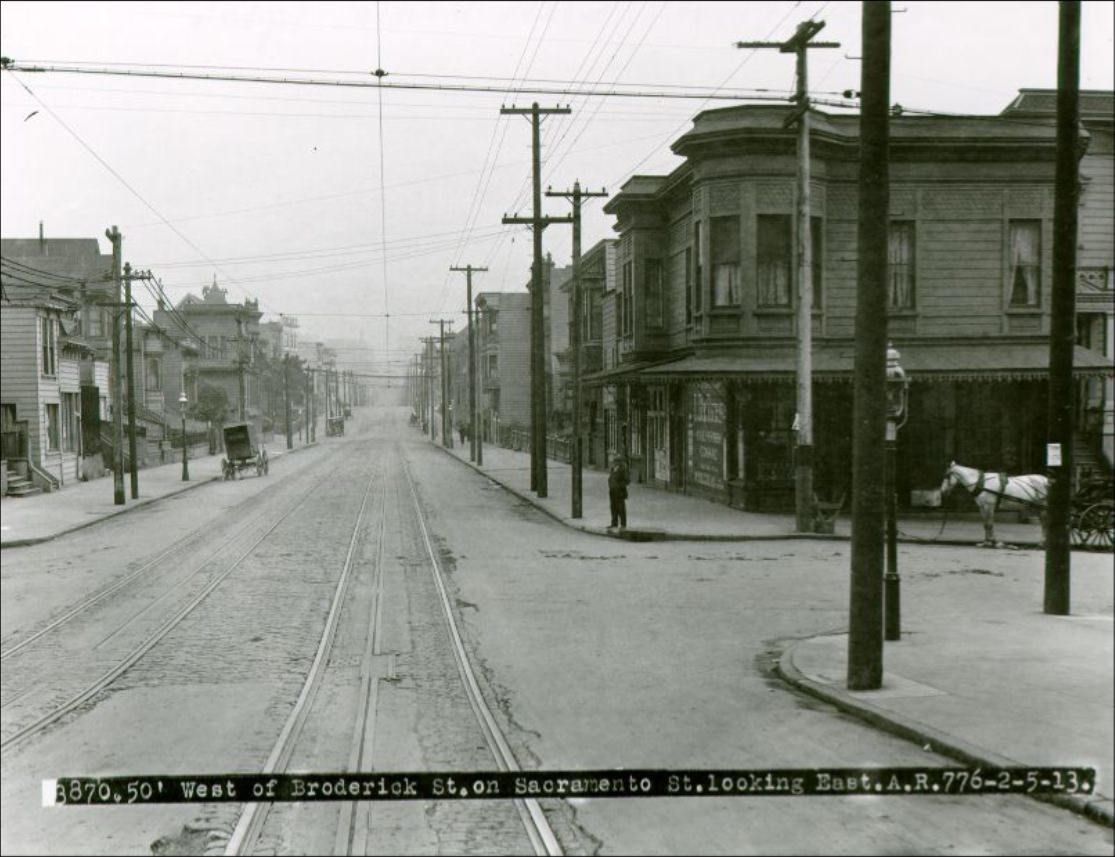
461, 431
617, 493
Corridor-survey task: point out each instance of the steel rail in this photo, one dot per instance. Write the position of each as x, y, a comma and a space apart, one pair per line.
124, 581
139, 651
250, 824
538, 829
351, 821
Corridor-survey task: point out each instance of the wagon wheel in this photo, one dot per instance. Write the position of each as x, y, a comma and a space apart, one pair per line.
259, 466
1097, 524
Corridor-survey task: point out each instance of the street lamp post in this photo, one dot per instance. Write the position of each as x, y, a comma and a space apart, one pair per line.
898, 387
185, 461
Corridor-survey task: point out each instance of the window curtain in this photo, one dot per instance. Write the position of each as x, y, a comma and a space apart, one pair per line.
1025, 253
900, 266
773, 270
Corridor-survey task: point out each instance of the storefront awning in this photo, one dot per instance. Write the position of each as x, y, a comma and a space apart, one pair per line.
923, 361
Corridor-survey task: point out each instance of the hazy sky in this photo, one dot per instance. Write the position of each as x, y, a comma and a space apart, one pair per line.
277, 190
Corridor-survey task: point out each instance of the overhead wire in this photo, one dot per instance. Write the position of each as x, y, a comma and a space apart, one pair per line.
382, 181
111, 170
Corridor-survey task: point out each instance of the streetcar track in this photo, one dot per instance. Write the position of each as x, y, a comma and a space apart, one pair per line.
349, 824
89, 602
249, 826
95, 687
537, 827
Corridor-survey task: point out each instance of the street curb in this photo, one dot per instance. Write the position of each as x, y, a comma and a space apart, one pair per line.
143, 501
1097, 808
633, 535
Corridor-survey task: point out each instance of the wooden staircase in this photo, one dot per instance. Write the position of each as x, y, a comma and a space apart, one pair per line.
20, 485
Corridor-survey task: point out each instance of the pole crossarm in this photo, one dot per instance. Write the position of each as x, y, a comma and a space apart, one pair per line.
542, 222
533, 111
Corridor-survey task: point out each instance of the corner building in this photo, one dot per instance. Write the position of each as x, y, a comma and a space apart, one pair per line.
702, 340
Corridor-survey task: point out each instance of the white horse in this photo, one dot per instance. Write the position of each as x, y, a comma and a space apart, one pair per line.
994, 490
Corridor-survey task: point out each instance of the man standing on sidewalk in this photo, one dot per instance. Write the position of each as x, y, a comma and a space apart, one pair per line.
617, 492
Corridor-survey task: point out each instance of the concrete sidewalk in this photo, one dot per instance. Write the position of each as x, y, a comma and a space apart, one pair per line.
1009, 689
31, 520
654, 513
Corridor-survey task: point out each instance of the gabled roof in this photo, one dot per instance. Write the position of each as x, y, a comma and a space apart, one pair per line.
65, 262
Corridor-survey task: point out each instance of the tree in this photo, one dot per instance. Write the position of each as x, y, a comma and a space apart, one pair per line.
211, 405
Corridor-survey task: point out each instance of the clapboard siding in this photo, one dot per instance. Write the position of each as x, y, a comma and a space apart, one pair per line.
19, 371
1097, 218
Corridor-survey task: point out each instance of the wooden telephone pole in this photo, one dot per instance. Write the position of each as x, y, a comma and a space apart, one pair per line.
133, 469
1066, 192
799, 44
575, 196
475, 450
537, 321
446, 428
118, 497
865, 612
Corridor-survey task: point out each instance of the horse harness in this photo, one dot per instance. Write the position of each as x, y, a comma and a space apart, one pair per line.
981, 488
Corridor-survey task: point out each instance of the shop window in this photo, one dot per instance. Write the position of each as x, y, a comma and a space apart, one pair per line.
653, 281
1024, 247
725, 261
773, 260
901, 273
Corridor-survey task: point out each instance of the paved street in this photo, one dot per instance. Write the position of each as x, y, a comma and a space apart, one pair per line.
216, 604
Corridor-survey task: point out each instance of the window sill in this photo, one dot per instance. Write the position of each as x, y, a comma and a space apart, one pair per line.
781, 310
1024, 310
734, 309
902, 313
774, 310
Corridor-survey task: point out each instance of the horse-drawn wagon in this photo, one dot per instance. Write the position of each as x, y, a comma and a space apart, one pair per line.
1092, 517
243, 451
1092, 513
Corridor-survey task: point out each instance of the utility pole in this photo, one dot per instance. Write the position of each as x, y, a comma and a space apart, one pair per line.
575, 196
865, 619
474, 453
446, 429
286, 400
310, 416
428, 380
537, 326
799, 44
1058, 564
118, 498
133, 467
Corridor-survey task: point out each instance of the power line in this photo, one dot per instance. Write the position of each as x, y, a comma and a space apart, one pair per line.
613, 92
8, 66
